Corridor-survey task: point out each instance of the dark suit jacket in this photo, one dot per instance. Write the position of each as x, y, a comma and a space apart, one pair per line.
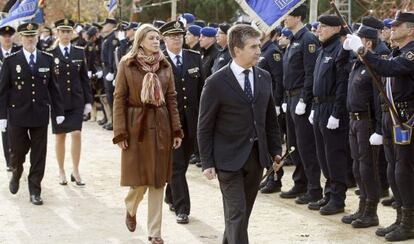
227, 121
25, 97
188, 86
14, 49
72, 77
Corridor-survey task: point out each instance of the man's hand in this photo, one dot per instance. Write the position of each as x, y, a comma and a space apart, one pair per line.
284, 107
310, 118
300, 108
109, 77
60, 119
177, 142
87, 109
99, 74
123, 144
277, 163
3, 125
210, 173
333, 123
352, 42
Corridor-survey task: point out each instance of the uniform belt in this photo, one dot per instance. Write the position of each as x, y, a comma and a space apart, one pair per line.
359, 116
319, 100
293, 92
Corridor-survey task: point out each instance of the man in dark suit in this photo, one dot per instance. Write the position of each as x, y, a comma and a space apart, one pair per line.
188, 84
28, 89
238, 133
7, 48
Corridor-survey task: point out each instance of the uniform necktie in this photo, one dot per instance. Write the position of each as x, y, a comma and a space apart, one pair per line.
31, 62
66, 52
179, 64
7, 54
247, 86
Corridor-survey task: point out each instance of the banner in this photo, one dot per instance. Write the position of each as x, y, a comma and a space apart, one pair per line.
268, 14
25, 10
111, 6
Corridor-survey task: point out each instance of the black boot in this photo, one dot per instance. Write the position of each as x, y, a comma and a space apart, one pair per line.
392, 227
405, 230
388, 201
347, 219
369, 217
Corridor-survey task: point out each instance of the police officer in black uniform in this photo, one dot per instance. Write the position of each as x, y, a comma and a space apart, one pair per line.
188, 84
46, 39
223, 56
298, 66
71, 72
209, 49
192, 38
126, 44
28, 89
329, 116
400, 90
271, 61
365, 131
7, 48
109, 43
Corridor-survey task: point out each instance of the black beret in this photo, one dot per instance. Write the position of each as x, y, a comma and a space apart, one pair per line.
7, 30
330, 20
172, 27
28, 29
224, 27
214, 25
47, 29
343, 31
301, 10
372, 22
98, 26
200, 23
355, 26
92, 31
367, 32
158, 23
401, 17
133, 26
110, 21
64, 24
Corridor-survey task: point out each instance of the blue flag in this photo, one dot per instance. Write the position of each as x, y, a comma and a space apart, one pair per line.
268, 13
112, 5
23, 11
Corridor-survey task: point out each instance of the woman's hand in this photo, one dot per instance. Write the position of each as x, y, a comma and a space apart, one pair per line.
177, 142
123, 144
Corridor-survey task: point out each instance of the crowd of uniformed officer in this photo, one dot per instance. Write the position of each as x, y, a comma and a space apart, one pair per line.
328, 105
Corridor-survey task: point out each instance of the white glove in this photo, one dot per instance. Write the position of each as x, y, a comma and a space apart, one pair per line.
352, 42
113, 82
3, 125
99, 74
310, 118
284, 107
375, 139
300, 108
333, 123
87, 109
109, 77
277, 110
90, 74
60, 119
121, 35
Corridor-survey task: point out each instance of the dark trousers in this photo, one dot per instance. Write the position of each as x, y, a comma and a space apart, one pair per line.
331, 149
364, 157
21, 140
109, 89
176, 191
390, 155
6, 147
239, 191
300, 135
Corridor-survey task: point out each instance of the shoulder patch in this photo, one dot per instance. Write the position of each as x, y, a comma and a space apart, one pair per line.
11, 55
312, 48
384, 56
47, 53
277, 57
79, 47
410, 55
193, 51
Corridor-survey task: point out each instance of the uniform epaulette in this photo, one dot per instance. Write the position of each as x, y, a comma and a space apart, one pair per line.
193, 51
11, 55
47, 53
79, 47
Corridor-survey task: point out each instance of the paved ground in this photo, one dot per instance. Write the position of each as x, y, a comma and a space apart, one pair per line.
95, 214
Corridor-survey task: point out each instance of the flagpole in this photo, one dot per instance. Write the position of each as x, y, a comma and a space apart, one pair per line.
120, 10
79, 19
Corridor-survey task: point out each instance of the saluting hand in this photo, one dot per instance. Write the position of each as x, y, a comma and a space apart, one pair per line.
177, 142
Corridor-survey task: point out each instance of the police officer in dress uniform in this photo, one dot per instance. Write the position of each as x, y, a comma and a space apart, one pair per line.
46, 39
298, 66
400, 90
223, 56
7, 48
109, 43
71, 72
28, 89
271, 61
188, 84
329, 116
365, 131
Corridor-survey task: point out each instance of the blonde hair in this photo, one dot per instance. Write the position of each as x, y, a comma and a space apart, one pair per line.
139, 36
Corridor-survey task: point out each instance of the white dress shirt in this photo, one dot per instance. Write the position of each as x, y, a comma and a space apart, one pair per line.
27, 55
174, 56
4, 51
62, 48
240, 76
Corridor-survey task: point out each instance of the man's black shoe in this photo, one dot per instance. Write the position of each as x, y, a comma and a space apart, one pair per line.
293, 193
182, 219
306, 198
270, 187
15, 180
331, 209
318, 204
36, 199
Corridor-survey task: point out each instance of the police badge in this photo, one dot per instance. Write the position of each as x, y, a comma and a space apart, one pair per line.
18, 68
410, 56
276, 57
57, 61
177, 25
312, 48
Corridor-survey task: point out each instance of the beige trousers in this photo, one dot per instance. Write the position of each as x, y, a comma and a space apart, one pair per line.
155, 201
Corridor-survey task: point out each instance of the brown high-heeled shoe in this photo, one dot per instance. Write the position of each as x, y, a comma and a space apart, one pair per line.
131, 222
156, 240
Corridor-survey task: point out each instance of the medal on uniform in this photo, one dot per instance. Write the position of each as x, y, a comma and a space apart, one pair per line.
56, 61
18, 68
19, 87
276, 57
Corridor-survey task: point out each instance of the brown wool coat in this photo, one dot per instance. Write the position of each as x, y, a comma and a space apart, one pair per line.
149, 131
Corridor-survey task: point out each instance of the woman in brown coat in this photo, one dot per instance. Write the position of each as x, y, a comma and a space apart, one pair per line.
146, 126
